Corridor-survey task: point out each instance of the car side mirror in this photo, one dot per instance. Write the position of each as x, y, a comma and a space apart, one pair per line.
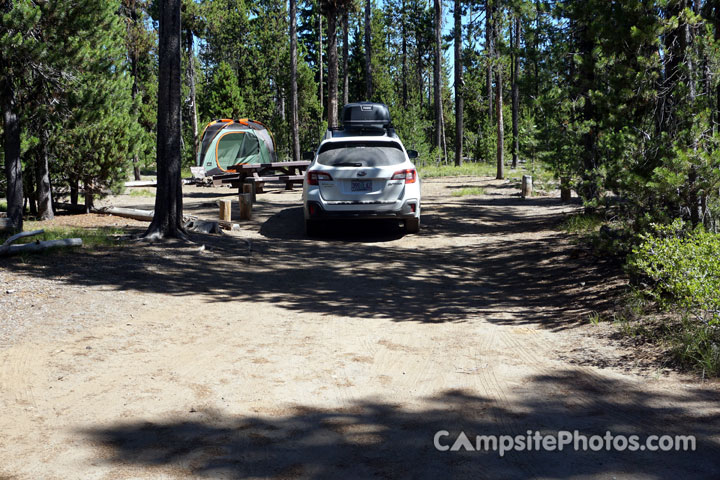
412, 154
308, 155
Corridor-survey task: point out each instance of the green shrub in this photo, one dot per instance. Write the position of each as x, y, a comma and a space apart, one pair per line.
683, 269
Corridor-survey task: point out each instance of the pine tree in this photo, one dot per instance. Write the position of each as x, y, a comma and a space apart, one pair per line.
167, 221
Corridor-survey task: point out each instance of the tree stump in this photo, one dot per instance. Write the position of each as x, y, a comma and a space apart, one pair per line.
527, 186
225, 210
565, 193
245, 206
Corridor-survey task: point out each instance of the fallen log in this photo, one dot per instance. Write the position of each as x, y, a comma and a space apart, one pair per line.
8, 249
141, 183
135, 214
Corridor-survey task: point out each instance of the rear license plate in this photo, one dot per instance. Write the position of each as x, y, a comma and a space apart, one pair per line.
361, 186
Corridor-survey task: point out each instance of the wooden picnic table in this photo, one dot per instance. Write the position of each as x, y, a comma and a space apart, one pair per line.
258, 173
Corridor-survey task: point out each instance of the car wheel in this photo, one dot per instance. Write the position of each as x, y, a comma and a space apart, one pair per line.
312, 228
412, 225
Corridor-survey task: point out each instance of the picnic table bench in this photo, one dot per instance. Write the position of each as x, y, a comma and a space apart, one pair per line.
257, 174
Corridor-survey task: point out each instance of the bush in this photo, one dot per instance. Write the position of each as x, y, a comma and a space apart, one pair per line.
683, 269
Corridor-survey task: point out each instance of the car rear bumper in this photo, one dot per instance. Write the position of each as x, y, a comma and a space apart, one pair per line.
316, 211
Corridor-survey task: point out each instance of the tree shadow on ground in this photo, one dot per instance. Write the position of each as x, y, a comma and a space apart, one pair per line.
367, 273
374, 439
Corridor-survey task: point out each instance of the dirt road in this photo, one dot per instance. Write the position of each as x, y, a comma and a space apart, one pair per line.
265, 354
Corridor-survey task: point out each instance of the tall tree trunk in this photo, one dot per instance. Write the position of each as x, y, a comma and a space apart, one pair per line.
13, 166
716, 21
586, 83
368, 51
135, 88
191, 84
89, 197
459, 100
167, 221
499, 107
332, 68
42, 179
490, 56
321, 67
403, 32
437, 81
74, 191
346, 77
515, 64
294, 119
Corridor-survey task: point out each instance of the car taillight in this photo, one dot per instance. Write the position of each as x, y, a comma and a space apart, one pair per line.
408, 175
315, 177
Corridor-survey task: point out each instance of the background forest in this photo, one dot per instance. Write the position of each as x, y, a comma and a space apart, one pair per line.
621, 100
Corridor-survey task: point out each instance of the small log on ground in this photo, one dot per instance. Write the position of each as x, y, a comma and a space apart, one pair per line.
225, 214
144, 215
245, 206
7, 248
141, 183
201, 226
527, 186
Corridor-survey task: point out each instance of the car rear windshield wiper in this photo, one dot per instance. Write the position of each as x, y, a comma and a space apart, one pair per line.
347, 164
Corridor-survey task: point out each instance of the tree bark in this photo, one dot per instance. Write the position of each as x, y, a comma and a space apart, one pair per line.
346, 77
368, 52
42, 179
294, 120
437, 82
332, 67
13, 166
134, 73
459, 100
191, 84
321, 68
167, 221
499, 108
403, 32
490, 57
515, 35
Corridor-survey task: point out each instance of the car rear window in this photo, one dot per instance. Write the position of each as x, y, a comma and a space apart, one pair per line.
361, 154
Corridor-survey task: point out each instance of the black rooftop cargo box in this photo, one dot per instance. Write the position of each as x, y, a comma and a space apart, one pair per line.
365, 115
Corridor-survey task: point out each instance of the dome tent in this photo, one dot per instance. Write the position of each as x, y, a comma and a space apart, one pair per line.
228, 142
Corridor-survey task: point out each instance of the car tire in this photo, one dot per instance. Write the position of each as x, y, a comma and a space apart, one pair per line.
412, 225
312, 228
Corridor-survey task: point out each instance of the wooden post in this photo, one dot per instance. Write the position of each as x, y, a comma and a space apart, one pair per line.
245, 206
565, 193
250, 188
225, 210
527, 186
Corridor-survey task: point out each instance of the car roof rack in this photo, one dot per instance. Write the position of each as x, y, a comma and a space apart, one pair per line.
364, 119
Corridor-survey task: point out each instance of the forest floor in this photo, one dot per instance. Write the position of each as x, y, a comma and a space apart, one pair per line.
266, 354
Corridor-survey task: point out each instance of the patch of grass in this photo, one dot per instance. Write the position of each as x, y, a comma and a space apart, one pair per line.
91, 237
542, 179
582, 223
472, 169
698, 346
141, 192
594, 318
468, 191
